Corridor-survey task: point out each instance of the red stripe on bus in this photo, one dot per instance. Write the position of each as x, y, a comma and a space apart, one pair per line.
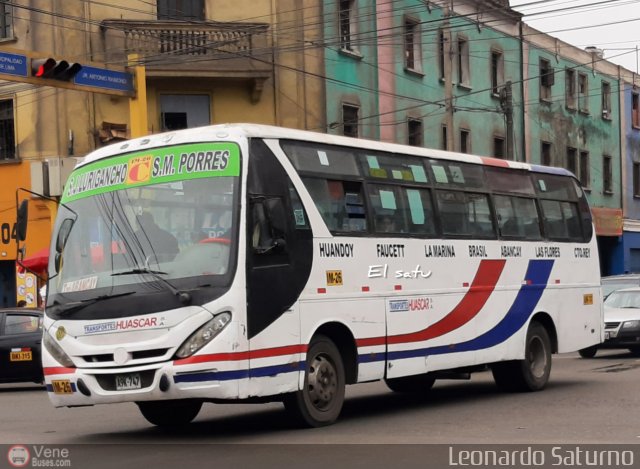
494, 162
481, 288
58, 370
247, 355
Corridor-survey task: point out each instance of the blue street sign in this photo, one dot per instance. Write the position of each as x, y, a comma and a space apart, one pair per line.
104, 78
13, 64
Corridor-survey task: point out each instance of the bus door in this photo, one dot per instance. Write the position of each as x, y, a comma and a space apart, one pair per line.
279, 257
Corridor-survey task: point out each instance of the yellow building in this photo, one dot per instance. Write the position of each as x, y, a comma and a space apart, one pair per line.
205, 61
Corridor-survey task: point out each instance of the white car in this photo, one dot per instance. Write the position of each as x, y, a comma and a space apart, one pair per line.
621, 322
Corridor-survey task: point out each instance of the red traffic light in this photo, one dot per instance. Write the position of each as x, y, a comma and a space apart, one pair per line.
54, 69
42, 67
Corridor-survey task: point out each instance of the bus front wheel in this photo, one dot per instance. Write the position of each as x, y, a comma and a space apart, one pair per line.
320, 400
532, 373
169, 413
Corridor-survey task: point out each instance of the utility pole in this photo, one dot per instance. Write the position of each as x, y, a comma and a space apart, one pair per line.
448, 52
506, 103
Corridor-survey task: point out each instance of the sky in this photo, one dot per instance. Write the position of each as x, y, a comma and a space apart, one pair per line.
620, 40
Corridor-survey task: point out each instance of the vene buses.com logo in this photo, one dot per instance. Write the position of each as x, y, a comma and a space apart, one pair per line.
18, 456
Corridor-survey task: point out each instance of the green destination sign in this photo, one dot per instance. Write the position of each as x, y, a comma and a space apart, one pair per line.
154, 166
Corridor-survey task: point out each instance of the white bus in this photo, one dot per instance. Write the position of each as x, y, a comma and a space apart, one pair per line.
247, 262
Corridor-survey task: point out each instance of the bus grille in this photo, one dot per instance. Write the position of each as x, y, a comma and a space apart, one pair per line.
135, 355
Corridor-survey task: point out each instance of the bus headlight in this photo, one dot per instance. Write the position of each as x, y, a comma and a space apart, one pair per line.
204, 335
56, 351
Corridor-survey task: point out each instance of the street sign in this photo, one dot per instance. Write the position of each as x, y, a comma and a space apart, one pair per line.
104, 78
13, 64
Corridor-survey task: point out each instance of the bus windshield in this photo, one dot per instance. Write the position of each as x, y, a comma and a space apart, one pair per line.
179, 231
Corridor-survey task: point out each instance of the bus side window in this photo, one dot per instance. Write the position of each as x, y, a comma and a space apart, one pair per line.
340, 203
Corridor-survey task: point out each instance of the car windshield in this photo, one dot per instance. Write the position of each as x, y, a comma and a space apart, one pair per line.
113, 241
623, 299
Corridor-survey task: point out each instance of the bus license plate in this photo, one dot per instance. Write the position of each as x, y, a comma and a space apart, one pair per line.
128, 382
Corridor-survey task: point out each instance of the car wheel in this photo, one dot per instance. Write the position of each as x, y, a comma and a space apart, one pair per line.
531, 373
320, 400
588, 352
169, 413
635, 351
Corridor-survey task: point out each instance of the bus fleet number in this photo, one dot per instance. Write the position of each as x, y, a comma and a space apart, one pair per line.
8, 233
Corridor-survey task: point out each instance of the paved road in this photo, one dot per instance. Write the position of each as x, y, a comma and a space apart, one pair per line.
587, 401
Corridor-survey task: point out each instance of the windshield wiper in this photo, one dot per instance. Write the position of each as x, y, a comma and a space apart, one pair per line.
183, 296
68, 308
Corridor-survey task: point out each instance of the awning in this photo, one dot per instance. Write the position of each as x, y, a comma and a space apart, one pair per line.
38, 261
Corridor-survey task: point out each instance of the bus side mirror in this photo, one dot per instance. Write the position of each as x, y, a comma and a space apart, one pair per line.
63, 234
22, 220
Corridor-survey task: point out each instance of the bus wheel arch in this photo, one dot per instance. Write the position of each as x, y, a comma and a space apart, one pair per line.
342, 337
532, 372
547, 322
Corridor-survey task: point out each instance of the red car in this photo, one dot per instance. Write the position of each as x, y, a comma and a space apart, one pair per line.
20, 342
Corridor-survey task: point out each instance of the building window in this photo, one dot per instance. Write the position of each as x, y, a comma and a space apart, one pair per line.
572, 160
607, 174
498, 147
7, 131
181, 10
184, 111
497, 71
463, 62
465, 141
349, 120
547, 79
347, 24
606, 100
636, 179
545, 153
445, 138
635, 110
6, 20
570, 88
441, 43
412, 50
583, 92
584, 175
414, 131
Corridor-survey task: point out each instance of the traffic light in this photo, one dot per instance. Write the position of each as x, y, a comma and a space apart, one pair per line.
54, 69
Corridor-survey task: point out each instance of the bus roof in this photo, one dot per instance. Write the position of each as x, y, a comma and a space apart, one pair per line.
237, 132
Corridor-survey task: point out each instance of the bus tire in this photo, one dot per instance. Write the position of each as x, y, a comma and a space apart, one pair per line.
169, 413
411, 384
320, 400
588, 352
532, 373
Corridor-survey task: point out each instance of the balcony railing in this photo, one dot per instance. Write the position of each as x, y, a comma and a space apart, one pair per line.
176, 45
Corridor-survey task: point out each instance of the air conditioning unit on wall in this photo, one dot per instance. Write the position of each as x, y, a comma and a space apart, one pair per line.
48, 176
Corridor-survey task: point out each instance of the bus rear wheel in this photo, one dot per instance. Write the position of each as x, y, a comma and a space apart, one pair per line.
169, 413
411, 384
320, 400
532, 373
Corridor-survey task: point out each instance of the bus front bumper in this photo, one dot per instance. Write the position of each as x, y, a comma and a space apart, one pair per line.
69, 387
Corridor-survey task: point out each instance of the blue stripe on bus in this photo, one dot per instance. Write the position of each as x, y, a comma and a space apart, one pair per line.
550, 170
262, 372
525, 302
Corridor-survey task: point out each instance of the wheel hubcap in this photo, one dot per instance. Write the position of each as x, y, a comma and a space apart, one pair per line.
322, 382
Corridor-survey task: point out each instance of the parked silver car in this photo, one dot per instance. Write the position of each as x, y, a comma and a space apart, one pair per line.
621, 322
